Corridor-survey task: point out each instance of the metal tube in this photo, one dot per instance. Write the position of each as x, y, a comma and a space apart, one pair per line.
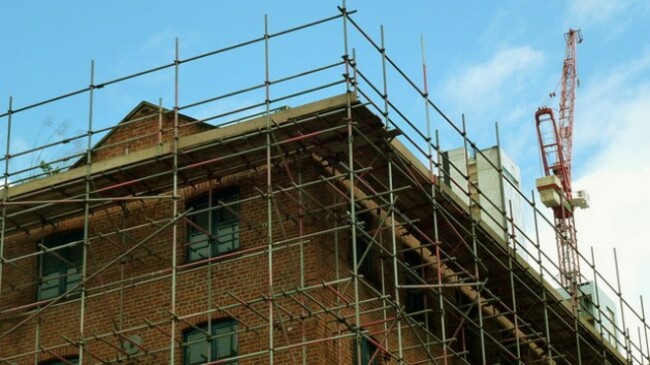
471, 188
351, 195
391, 200
353, 235
511, 256
437, 253
547, 330
645, 330
269, 189
5, 194
172, 347
301, 232
596, 293
622, 305
86, 242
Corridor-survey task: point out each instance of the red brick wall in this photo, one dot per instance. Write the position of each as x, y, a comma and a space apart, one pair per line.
142, 130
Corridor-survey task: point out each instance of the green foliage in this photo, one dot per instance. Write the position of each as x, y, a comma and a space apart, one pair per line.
47, 169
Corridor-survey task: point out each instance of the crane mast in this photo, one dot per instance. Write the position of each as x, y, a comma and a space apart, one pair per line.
555, 140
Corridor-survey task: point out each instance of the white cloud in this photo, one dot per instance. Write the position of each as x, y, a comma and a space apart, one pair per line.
617, 175
610, 102
595, 12
617, 179
162, 40
485, 83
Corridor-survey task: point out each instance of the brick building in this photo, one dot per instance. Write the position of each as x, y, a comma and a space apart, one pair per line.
166, 254
122, 249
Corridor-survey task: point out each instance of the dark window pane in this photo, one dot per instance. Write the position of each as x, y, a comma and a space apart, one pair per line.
214, 231
368, 349
70, 360
199, 348
60, 269
365, 263
49, 286
226, 339
73, 278
228, 237
200, 249
201, 223
227, 214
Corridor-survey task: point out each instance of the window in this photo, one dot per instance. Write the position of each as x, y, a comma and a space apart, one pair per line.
471, 331
214, 226
68, 360
365, 255
610, 326
368, 351
60, 269
415, 297
365, 263
587, 309
415, 303
213, 341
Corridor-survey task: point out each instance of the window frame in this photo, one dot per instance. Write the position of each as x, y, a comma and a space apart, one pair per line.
366, 266
210, 204
211, 331
60, 262
73, 359
368, 348
415, 298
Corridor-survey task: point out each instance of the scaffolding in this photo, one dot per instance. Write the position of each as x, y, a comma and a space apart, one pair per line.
354, 245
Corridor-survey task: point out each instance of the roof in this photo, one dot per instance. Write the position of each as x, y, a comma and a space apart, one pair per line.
143, 172
144, 112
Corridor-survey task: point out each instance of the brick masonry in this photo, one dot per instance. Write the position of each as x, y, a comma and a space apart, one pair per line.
133, 295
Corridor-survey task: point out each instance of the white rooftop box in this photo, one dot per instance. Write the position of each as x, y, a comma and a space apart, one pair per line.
581, 200
549, 188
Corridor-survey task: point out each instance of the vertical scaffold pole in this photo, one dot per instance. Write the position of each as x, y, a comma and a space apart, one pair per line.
638, 332
86, 242
503, 212
353, 222
512, 250
5, 191
645, 330
269, 189
622, 305
576, 325
432, 186
301, 232
172, 340
511, 258
346, 62
391, 197
438, 253
547, 330
351, 196
433, 165
597, 295
470, 189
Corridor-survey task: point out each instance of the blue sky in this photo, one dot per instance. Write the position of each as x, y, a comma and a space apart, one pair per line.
493, 61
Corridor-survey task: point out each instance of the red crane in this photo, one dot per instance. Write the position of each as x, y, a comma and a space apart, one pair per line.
555, 140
